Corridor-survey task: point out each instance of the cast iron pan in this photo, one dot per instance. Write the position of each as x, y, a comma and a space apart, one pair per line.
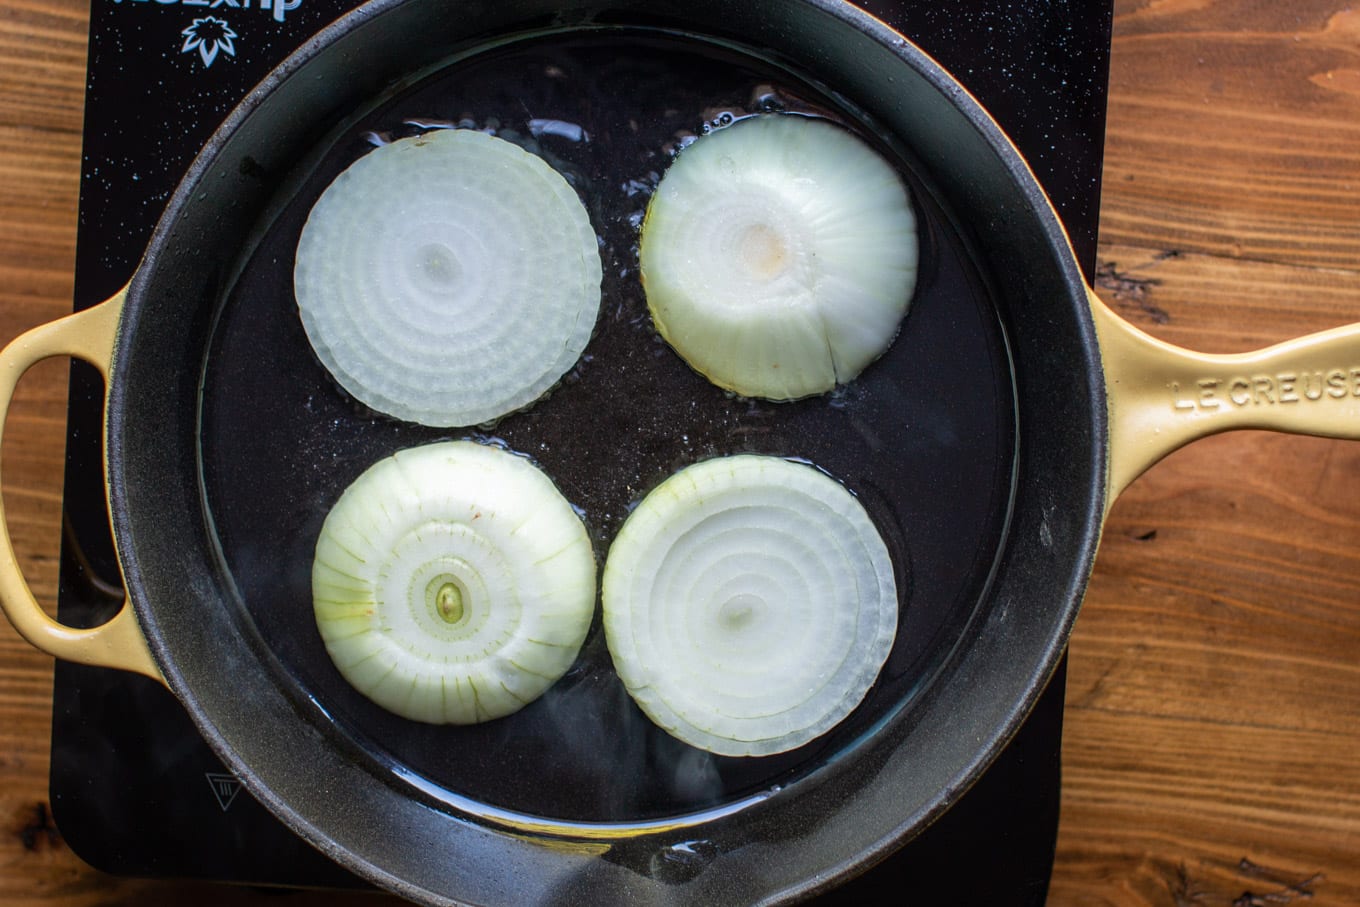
984, 446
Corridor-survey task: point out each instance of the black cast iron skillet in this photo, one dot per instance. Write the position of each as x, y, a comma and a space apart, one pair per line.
987, 445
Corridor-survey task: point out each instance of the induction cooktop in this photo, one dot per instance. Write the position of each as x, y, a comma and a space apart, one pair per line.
134, 789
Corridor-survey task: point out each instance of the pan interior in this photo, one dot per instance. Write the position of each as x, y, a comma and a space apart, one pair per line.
926, 437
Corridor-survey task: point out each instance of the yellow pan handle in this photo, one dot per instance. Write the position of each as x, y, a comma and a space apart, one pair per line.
118, 643
1162, 397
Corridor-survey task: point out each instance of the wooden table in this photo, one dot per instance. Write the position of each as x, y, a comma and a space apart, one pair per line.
1212, 748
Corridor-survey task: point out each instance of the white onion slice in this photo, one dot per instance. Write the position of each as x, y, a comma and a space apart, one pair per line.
779, 256
449, 278
453, 583
749, 604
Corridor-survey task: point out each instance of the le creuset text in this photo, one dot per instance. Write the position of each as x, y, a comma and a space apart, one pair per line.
1216, 393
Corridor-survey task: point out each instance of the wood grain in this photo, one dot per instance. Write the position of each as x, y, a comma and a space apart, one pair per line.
1214, 686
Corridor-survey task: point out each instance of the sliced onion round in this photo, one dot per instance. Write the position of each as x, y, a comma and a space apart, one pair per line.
749, 604
779, 256
453, 583
448, 278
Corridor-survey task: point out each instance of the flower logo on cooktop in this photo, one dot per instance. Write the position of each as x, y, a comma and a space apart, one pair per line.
209, 36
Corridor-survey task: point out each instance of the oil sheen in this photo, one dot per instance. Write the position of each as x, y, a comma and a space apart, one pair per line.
925, 437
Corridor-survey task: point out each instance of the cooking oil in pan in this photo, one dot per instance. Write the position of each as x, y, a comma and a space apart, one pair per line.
924, 437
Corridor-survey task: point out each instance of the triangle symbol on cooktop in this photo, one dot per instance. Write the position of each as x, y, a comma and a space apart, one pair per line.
225, 787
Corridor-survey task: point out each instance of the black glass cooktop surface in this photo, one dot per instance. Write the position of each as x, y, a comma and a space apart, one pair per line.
134, 789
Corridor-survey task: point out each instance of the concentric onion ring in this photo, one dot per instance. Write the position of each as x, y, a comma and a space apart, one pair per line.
749, 604
779, 256
453, 583
448, 278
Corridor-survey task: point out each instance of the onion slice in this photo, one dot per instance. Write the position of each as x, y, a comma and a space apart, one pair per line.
448, 278
453, 583
779, 256
749, 604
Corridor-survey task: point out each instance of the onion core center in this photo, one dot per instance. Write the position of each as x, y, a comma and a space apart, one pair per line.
439, 267
739, 611
763, 251
447, 593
